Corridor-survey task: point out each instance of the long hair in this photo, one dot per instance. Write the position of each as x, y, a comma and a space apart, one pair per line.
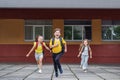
82, 45
87, 42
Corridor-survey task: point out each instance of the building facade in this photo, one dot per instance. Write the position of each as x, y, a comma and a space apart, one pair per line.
20, 26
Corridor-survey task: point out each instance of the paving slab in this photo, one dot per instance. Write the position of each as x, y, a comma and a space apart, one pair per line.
70, 72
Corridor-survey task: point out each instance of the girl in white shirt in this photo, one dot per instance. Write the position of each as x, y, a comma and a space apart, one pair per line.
84, 52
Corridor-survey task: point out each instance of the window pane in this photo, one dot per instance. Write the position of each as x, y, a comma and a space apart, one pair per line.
87, 32
68, 32
106, 32
77, 33
47, 32
38, 31
116, 32
28, 33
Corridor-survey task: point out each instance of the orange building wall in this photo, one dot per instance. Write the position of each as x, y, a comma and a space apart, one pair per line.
96, 31
59, 23
11, 31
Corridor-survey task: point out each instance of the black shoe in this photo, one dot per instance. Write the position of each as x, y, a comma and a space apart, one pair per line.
56, 74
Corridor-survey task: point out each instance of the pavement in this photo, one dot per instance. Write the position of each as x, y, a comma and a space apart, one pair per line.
71, 72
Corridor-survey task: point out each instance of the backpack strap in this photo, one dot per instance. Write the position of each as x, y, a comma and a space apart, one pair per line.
53, 39
36, 45
42, 43
89, 48
61, 41
83, 47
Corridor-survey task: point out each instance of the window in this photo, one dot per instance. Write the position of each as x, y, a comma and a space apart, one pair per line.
34, 28
110, 30
77, 29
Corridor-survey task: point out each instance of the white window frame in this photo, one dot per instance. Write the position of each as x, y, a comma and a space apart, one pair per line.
73, 32
33, 29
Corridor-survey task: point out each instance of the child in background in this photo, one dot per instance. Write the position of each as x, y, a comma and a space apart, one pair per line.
38, 47
58, 46
84, 52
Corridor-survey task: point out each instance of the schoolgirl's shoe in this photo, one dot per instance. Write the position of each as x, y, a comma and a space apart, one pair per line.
85, 70
40, 71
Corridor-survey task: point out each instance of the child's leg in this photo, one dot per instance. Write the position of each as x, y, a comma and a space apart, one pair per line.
40, 63
82, 60
58, 62
86, 62
55, 65
39, 58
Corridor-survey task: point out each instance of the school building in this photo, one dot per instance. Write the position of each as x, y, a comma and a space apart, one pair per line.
98, 21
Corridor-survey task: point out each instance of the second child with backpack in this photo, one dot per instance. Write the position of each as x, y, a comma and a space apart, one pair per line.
38, 48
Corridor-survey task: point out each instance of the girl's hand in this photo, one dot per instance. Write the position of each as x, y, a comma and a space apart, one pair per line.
27, 55
50, 51
56, 45
65, 50
78, 55
90, 56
